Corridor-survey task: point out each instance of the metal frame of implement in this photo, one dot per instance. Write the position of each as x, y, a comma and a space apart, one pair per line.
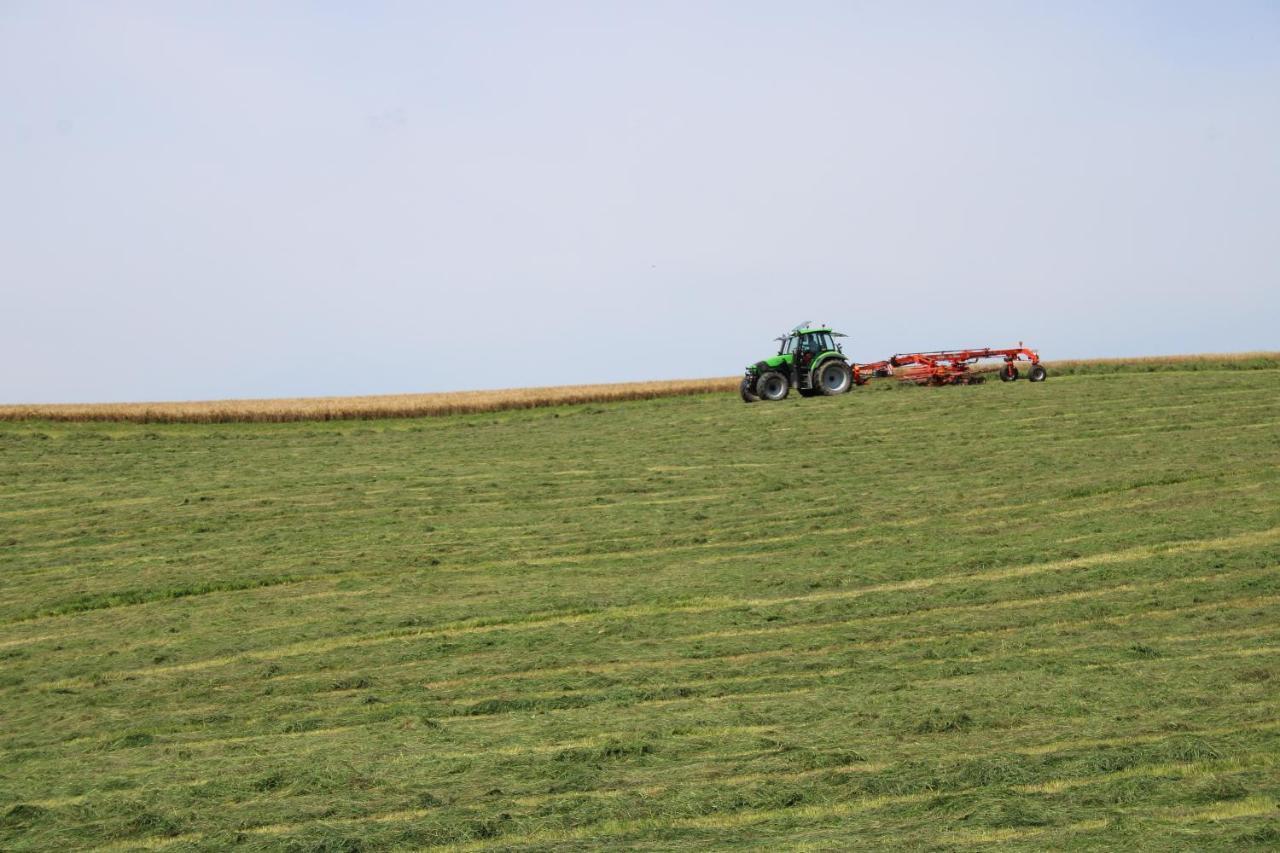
950, 367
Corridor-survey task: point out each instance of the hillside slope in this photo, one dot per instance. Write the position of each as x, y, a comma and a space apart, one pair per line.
1036, 616
448, 403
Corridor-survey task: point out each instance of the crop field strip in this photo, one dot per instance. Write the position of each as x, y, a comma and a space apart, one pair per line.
473, 402
483, 625
409, 635
133, 674
466, 710
470, 704
544, 620
802, 643
623, 554
472, 708
586, 625
391, 638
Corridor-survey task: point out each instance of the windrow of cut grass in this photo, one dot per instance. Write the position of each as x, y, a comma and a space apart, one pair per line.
474, 402
1025, 616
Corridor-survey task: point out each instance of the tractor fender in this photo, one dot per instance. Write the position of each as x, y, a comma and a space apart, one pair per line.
823, 358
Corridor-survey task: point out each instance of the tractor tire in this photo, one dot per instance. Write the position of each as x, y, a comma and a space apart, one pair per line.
773, 386
1009, 373
833, 377
1037, 373
748, 396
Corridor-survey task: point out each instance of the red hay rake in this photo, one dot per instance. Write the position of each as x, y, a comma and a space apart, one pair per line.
952, 367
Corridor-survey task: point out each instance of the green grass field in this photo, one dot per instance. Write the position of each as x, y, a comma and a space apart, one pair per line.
1010, 615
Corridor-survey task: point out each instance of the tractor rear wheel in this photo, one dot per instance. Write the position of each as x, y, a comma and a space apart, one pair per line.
772, 385
745, 390
1037, 373
833, 377
1008, 373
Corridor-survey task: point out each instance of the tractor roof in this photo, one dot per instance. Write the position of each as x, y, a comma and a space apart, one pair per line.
805, 330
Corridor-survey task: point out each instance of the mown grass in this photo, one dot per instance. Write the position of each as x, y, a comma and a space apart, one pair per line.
1010, 615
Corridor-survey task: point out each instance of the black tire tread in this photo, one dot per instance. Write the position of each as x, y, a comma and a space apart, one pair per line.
848, 385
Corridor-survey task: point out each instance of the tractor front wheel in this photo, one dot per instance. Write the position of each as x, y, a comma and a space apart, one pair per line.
834, 377
772, 385
745, 390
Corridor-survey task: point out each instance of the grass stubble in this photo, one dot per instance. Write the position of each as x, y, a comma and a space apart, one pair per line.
1014, 615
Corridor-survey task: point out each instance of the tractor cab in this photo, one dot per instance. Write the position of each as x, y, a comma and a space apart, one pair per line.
807, 340
812, 342
808, 360
803, 339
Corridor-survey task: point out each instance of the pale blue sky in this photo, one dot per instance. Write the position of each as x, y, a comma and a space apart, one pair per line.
273, 199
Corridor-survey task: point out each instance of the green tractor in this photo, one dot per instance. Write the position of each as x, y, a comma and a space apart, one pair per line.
808, 360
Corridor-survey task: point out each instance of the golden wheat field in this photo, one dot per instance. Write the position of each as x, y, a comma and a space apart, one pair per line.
470, 402
378, 406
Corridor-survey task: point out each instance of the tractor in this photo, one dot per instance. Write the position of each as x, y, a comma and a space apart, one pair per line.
808, 360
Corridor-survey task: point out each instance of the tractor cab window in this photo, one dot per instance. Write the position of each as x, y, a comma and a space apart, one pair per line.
788, 345
815, 343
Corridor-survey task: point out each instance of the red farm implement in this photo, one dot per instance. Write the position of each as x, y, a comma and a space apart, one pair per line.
953, 367
810, 361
